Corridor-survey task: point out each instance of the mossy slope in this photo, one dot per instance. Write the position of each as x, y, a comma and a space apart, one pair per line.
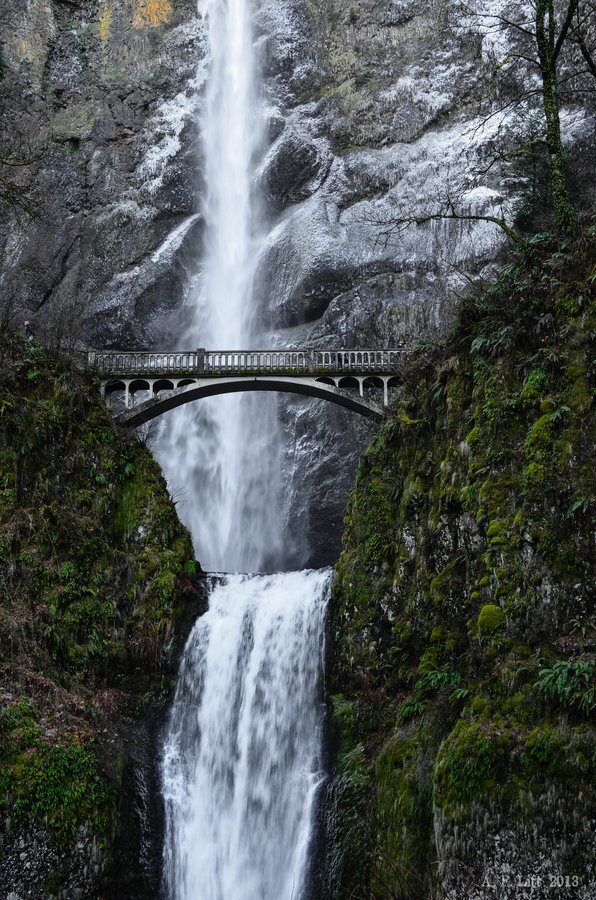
462, 630
95, 570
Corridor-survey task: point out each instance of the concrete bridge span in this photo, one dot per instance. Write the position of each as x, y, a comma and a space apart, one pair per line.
164, 380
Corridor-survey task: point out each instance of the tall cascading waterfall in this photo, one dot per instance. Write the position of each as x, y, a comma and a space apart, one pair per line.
242, 755
221, 457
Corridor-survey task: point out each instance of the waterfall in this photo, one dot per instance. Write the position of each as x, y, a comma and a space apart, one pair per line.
221, 457
241, 760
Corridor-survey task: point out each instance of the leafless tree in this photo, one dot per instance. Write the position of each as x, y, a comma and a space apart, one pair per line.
538, 42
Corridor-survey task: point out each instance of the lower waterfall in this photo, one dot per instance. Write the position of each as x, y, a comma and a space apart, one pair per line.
242, 757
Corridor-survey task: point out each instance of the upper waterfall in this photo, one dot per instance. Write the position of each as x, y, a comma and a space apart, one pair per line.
222, 459
231, 133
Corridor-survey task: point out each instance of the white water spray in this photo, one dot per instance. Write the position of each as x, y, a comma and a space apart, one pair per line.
221, 457
241, 760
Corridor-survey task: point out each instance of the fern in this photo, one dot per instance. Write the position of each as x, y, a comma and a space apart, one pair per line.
569, 683
410, 709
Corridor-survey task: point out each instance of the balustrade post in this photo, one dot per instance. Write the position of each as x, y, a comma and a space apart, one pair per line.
201, 360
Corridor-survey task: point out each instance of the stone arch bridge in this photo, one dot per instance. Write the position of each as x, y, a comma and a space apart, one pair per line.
165, 380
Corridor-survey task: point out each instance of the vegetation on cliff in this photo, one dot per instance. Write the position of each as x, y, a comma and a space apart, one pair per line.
462, 669
95, 567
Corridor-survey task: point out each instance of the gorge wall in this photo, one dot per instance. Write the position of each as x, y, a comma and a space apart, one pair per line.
462, 672
98, 592
374, 109
461, 656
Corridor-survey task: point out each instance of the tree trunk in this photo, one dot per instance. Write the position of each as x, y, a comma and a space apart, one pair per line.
565, 216
564, 212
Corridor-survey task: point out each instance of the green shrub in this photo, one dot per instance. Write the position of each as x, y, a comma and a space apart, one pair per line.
60, 784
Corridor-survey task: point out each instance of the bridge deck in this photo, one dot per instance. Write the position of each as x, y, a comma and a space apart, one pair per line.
222, 363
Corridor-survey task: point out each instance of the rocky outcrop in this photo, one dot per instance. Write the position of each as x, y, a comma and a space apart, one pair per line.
462, 672
97, 97
387, 103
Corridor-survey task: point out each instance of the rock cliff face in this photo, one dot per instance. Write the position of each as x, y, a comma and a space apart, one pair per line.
462, 667
373, 111
85, 88
97, 592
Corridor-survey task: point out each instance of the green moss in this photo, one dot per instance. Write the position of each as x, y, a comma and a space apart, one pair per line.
89, 590
497, 532
343, 722
442, 583
468, 765
60, 784
472, 510
580, 395
350, 847
404, 812
490, 619
539, 436
535, 481
480, 706
535, 385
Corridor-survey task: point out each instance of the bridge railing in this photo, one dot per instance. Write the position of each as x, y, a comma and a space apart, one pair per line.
224, 362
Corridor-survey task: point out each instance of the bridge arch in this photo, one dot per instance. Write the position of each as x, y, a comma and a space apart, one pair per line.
348, 381
139, 384
114, 387
210, 387
164, 384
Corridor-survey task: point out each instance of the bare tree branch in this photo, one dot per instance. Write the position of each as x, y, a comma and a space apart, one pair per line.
565, 27
392, 224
